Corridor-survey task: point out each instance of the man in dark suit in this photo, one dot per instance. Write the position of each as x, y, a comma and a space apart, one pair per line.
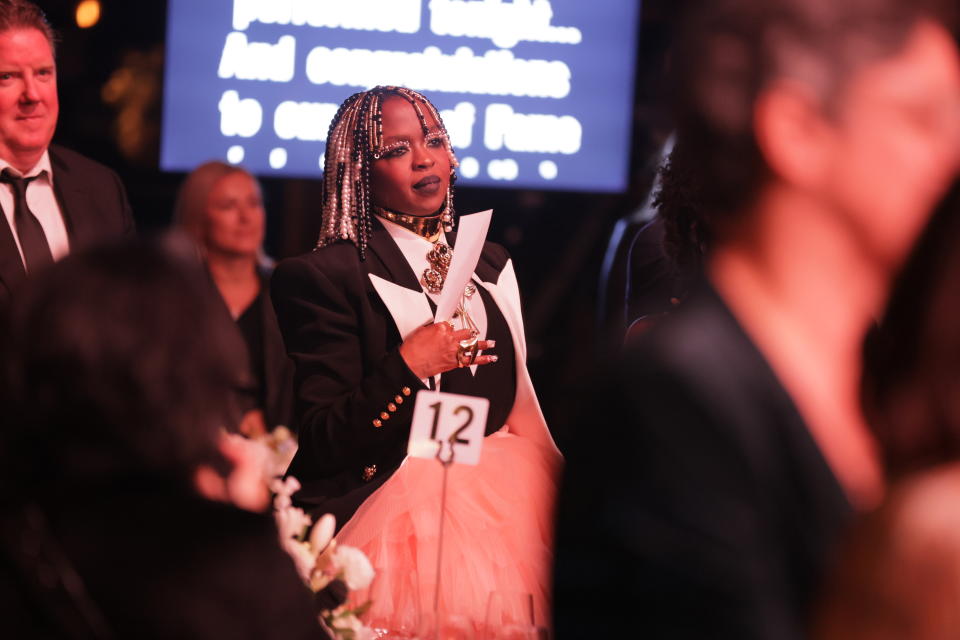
54, 200
720, 462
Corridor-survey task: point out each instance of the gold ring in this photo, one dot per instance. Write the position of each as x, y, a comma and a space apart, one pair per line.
467, 352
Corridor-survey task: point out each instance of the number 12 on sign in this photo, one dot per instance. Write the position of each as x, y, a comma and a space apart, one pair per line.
448, 423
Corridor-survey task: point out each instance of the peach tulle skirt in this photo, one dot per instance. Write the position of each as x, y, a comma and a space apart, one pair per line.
497, 534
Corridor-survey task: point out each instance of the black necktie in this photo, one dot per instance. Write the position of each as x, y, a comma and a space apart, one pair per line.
33, 242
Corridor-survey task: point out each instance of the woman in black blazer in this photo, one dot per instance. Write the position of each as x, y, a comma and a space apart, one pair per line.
357, 319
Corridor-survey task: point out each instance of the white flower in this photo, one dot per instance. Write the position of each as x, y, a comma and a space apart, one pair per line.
281, 502
322, 532
357, 571
347, 621
303, 557
365, 633
291, 522
343, 619
281, 446
285, 486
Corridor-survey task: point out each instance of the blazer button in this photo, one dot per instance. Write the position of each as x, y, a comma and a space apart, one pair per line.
384, 415
398, 399
391, 407
406, 391
377, 423
369, 472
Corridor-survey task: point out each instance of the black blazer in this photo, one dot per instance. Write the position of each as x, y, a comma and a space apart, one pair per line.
94, 207
696, 503
278, 369
344, 341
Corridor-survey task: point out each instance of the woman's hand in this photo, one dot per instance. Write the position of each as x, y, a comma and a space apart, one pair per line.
253, 424
244, 485
432, 349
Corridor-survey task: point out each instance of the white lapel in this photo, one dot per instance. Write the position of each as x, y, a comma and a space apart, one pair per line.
506, 294
526, 419
408, 308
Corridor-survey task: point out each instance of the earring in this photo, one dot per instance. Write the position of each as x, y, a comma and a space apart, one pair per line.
447, 217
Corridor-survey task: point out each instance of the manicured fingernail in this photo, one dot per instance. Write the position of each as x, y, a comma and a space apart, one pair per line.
491, 344
493, 358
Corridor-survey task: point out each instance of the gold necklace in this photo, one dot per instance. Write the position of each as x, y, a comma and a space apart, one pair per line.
427, 227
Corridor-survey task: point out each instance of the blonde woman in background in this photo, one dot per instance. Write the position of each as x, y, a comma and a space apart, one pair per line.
221, 207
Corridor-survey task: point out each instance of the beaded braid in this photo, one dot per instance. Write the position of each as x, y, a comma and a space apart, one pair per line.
354, 142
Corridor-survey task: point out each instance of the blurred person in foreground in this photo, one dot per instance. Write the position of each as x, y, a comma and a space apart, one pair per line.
898, 574
54, 200
722, 458
221, 207
115, 381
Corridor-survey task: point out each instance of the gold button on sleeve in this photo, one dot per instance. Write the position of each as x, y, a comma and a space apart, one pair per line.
384, 415
398, 399
377, 423
406, 391
391, 407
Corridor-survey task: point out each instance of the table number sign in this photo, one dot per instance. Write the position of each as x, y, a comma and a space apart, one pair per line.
448, 426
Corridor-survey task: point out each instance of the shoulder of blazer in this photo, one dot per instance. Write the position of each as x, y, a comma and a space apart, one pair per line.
495, 255
92, 198
705, 351
702, 339
493, 258
339, 264
66, 162
336, 260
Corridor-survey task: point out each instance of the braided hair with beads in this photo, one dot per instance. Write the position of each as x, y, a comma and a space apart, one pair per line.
354, 142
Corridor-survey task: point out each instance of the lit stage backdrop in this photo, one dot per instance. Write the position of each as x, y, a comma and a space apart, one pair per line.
535, 93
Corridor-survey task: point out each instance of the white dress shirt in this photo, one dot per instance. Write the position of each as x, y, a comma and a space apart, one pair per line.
42, 203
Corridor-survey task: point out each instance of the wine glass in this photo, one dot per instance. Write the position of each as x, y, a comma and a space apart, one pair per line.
446, 626
510, 617
395, 612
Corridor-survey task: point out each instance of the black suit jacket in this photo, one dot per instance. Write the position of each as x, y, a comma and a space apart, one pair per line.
344, 342
94, 207
696, 503
278, 369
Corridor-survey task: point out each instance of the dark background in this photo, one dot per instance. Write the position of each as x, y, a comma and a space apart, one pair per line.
110, 83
